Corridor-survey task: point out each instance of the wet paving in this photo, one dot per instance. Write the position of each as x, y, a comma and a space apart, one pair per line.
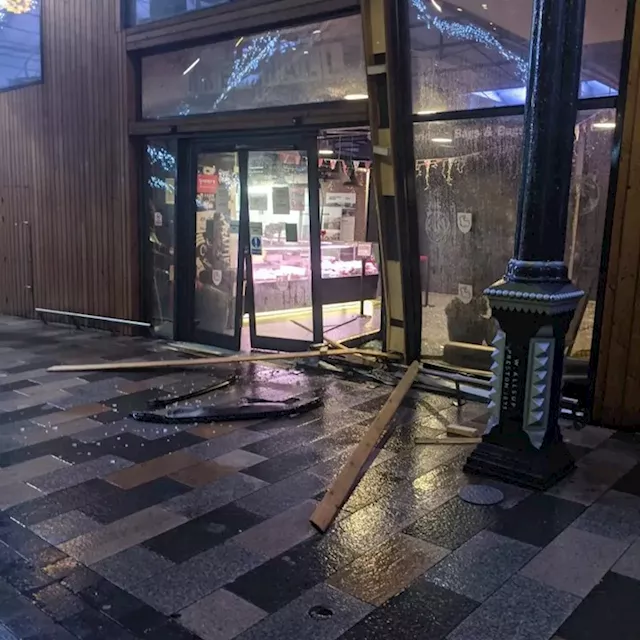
116, 529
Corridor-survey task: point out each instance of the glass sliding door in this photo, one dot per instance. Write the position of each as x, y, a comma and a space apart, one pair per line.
284, 249
161, 172
218, 255
350, 273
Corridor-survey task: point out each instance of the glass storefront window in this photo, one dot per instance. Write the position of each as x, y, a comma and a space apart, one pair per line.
602, 47
161, 179
587, 215
20, 44
472, 55
468, 177
312, 63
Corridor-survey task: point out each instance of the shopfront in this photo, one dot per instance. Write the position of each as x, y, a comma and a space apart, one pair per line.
280, 243
263, 238
469, 71
273, 227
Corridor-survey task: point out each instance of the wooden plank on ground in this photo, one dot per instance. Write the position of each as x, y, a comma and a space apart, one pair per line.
201, 362
347, 479
448, 440
459, 430
357, 358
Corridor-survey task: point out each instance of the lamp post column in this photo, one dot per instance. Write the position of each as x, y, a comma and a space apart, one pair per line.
535, 300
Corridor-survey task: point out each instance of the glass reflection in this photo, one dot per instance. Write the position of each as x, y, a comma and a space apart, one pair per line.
472, 55
468, 175
161, 174
20, 43
313, 63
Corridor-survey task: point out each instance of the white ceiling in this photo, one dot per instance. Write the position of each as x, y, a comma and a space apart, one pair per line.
604, 23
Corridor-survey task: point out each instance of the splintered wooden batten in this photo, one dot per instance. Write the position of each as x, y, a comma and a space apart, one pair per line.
347, 480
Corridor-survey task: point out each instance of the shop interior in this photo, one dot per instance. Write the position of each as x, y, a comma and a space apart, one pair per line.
295, 269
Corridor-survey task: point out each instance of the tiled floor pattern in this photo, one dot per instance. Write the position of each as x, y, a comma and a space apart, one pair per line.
111, 529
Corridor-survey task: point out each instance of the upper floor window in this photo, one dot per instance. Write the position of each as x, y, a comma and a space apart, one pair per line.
473, 54
141, 11
318, 62
20, 43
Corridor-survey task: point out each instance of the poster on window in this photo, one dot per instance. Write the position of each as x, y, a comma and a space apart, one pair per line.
281, 201
331, 222
258, 202
222, 199
298, 198
207, 183
346, 199
169, 191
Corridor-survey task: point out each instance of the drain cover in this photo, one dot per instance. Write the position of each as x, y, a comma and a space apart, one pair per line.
320, 613
481, 494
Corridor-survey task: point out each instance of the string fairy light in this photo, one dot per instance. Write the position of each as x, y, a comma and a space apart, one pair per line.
468, 32
256, 51
158, 155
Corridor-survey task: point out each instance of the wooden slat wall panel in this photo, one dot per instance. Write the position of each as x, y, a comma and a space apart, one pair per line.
617, 393
66, 169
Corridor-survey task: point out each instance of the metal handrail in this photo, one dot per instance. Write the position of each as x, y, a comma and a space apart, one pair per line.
87, 316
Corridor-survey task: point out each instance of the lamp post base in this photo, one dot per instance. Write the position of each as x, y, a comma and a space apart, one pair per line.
528, 468
523, 443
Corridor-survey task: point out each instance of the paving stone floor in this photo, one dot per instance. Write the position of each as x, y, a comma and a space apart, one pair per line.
112, 529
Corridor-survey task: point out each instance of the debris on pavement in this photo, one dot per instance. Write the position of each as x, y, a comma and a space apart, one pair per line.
347, 480
447, 440
163, 403
248, 409
202, 362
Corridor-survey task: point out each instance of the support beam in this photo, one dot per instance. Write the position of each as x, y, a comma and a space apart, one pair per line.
616, 391
388, 61
535, 301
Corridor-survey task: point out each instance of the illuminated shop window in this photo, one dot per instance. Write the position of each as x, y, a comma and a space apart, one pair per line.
317, 62
20, 43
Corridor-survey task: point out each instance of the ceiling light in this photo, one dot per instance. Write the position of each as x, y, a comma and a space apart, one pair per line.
317, 31
485, 7
460, 9
356, 96
604, 125
437, 5
239, 41
191, 67
442, 140
325, 152
306, 53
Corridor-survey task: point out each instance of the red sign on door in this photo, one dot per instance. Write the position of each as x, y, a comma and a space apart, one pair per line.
207, 183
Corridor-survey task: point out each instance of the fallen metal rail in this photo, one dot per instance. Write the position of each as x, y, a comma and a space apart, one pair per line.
87, 316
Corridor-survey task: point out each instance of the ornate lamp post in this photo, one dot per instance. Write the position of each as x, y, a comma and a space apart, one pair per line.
535, 301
